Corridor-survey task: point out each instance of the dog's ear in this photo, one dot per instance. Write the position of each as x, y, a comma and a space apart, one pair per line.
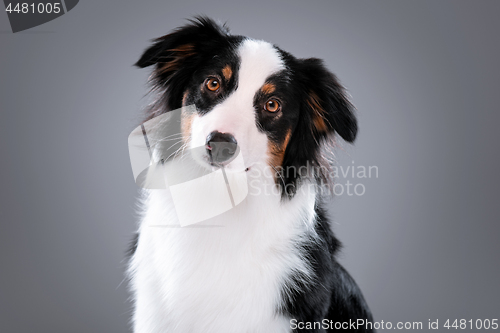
326, 104
169, 51
324, 110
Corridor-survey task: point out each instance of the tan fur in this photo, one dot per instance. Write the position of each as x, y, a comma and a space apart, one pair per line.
186, 123
227, 72
319, 112
268, 88
180, 53
184, 98
186, 120
277, 151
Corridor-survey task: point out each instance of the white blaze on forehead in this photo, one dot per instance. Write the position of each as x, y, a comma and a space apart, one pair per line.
259, 60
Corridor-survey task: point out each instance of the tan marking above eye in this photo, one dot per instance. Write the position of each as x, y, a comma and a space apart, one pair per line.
227, 72
272, 105
268, 88
212, 84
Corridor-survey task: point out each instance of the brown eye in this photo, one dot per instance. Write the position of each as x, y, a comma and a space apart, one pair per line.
272, 105
212, 84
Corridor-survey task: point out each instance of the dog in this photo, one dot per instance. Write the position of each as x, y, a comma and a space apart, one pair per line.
270, 264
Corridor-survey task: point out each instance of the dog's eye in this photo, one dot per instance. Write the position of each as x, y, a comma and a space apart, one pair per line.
272, 105
212, 84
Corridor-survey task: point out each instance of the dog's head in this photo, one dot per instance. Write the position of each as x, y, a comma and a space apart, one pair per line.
250, 96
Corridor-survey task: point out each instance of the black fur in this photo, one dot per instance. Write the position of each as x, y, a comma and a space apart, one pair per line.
333, 294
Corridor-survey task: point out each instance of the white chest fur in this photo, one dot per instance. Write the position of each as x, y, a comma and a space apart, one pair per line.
218, 279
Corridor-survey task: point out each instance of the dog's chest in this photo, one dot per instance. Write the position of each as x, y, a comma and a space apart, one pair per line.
219, 288
222, 279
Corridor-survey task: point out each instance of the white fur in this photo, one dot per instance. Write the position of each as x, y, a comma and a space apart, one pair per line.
225, 279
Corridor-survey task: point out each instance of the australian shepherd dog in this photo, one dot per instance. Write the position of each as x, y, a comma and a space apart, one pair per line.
267, 264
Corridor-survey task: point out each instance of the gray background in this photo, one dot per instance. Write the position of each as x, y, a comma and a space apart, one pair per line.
422, 242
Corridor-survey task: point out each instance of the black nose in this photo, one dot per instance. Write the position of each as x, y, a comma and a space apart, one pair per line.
221, 147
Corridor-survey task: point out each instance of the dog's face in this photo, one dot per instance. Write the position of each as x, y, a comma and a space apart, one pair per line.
250, 97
